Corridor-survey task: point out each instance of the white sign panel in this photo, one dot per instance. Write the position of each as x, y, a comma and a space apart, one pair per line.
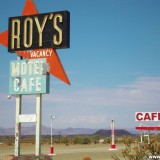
27, 118
29, 77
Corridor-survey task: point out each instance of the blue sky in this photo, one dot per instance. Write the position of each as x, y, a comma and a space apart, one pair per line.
112, 63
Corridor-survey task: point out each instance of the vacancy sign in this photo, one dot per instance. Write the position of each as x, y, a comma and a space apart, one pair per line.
29, 77
147, 116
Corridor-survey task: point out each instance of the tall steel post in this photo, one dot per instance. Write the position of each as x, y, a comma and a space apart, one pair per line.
18, 125
51, 147
141, 137
112, 134
38, 124
148, 137
51, 133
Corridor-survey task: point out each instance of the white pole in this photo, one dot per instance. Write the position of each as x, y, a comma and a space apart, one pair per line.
113, 146
18, 125
148, 137
51, 147
141, 137
38, 123
112, 127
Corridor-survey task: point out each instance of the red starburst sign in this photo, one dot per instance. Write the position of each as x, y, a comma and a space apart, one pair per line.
50, 54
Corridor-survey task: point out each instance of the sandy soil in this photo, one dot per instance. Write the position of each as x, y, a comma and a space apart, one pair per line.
71, 152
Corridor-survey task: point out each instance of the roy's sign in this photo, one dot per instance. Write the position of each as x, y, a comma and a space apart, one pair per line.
47, 30
147, 116
29, 77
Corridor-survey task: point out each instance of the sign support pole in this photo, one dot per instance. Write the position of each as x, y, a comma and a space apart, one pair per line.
18, 125
141, 137
38, 123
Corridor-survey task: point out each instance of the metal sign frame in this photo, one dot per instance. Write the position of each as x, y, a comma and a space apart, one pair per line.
56, 69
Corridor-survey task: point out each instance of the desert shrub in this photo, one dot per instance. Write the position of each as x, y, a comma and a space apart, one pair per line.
86, 140
96, 138
9, 143
108, 140
139, 151
77, 140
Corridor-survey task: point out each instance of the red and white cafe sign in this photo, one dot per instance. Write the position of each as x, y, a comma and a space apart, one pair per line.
147, 116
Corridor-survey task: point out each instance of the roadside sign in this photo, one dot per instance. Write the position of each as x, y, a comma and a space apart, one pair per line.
28, 77
147, 116
46, 30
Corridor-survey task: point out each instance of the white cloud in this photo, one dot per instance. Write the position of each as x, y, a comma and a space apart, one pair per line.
81, 121
94, 107
145, 91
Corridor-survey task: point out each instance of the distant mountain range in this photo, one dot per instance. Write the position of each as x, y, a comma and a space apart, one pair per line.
47, 131
68, 131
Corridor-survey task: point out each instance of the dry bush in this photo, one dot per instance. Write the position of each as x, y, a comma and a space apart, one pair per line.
140, 151
86, 158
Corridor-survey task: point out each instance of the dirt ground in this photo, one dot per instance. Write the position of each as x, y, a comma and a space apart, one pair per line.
71, 152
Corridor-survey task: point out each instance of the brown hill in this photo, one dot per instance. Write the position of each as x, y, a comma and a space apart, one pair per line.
107, 133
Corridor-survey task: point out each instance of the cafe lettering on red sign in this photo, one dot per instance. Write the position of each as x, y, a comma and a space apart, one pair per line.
47, 30
147, 116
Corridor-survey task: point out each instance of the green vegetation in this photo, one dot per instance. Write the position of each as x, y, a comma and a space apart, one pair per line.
140, 151
72, 139
130, 148
75, 147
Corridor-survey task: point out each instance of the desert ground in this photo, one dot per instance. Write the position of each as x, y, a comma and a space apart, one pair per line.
63, 152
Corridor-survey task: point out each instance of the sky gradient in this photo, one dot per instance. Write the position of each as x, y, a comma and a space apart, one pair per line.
113, 64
